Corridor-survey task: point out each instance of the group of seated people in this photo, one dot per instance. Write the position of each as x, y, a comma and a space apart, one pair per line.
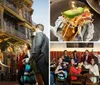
71, 65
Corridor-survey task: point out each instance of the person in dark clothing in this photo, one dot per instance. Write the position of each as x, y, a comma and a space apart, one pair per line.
40, 52
75, 56
66, 58
23, 59
61, 70
21, 66
86, 58
20, 74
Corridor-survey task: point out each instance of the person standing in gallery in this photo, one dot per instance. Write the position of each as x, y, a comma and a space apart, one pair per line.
40, 52
21, 66
23, 60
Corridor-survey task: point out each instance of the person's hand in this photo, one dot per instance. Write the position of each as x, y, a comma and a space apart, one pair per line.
85, 63
80, 65
4, 64
75, 63
62, 71
67, 63
54, 65
24, 61
77, 67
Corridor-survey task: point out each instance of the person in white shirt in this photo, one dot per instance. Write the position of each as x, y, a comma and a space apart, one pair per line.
98, 56
93, 70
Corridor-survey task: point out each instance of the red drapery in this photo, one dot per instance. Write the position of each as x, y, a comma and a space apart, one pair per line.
57, 54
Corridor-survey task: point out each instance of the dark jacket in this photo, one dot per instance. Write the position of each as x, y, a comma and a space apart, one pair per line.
89, 59
40, 47
67, 59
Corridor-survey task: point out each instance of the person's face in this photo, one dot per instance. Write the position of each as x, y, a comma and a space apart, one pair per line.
87, 53
54, 59
75, 53
38, 26
25, 46
60, 60
21, 52
65, 52
23, 63
72, 61
62, 57
92, 62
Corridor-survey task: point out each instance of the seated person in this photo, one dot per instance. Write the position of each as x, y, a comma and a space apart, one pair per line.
52, 78
93, 70
98, 59
65, 57
53, 62
75, 57
86, 58
61, 70
74, 70
95, 56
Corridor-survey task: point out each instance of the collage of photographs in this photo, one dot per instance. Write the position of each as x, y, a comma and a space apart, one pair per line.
49, 42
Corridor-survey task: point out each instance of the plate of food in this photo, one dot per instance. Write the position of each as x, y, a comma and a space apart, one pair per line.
73, 20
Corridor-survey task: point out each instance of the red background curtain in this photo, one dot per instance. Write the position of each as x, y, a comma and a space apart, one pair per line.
58, 54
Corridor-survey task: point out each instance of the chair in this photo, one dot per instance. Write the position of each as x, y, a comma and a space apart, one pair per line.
59, 80
62, 81
76, 82
88, 82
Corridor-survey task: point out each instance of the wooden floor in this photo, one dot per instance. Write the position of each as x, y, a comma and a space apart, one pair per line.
10, 83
